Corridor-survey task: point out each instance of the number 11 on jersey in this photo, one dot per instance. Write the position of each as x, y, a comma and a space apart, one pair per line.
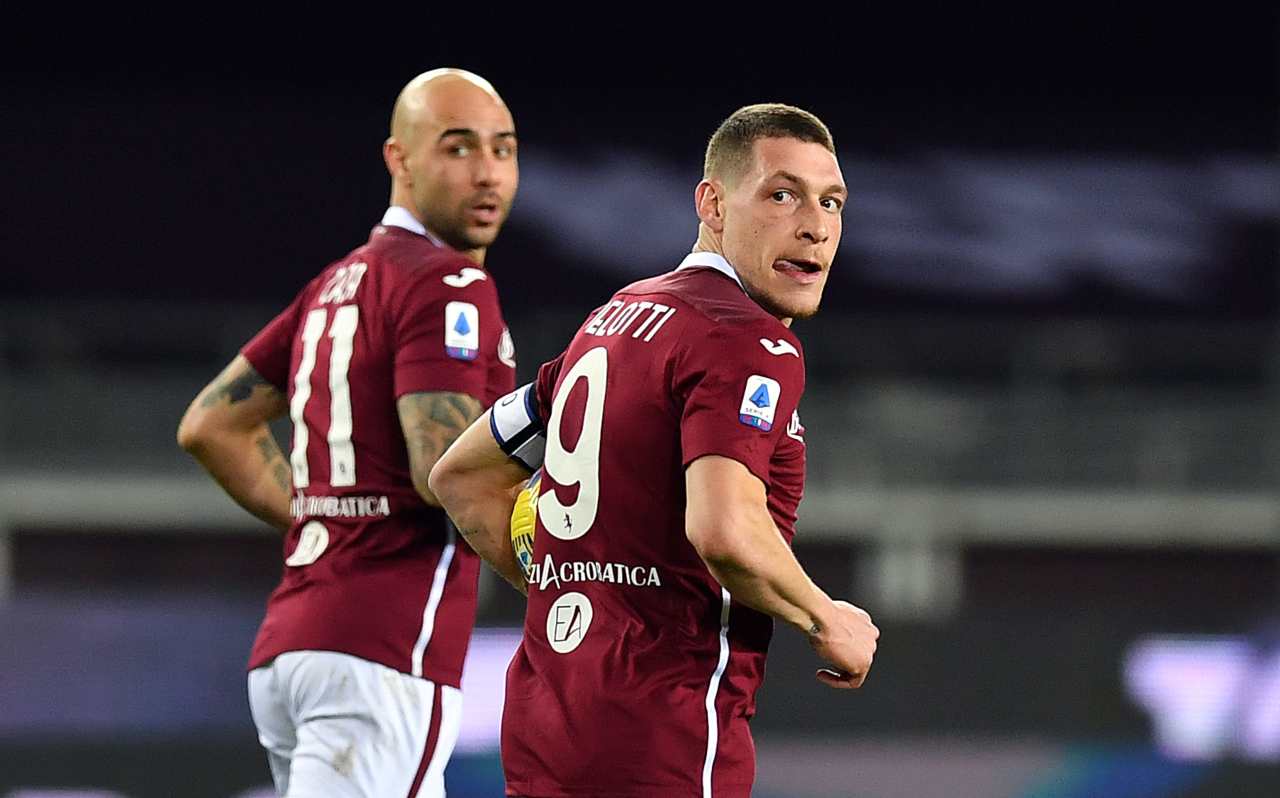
342, 456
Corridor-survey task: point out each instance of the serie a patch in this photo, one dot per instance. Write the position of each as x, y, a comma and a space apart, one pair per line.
759, 402
461, 330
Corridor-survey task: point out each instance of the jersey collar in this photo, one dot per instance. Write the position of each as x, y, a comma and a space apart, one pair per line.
711, 260
397, 216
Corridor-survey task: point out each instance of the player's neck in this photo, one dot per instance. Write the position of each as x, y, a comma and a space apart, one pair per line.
708, 241
474, 255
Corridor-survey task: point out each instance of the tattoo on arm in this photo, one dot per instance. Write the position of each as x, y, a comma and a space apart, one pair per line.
236, 389
433, 421
275, 461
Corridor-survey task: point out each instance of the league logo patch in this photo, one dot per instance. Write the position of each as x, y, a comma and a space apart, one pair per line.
759, 402
461, 330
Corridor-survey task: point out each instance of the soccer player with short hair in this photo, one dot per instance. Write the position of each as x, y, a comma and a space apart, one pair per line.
672, 462
381, 361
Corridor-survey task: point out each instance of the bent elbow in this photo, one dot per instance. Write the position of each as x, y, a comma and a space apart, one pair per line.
191, 434
714, 540
437, 483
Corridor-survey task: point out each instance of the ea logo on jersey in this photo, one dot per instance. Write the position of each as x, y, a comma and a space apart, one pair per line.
568, 621
759, 402
461, 330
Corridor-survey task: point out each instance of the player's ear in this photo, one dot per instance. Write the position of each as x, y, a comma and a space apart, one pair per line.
393, 156
708, 198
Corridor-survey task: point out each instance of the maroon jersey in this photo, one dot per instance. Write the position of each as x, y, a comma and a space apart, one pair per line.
370, 570
637, 674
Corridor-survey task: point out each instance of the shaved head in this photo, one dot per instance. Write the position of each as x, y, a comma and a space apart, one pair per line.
452, 157
438, 87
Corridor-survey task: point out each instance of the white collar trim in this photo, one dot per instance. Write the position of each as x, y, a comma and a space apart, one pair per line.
396, 216
711, 260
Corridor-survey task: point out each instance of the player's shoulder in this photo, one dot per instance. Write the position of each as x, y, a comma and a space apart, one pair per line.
745, 342
414, 269
717, 298
723, 315
714, 326
416, 256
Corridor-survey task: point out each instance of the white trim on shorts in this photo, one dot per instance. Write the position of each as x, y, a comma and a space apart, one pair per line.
713, 725
433, 601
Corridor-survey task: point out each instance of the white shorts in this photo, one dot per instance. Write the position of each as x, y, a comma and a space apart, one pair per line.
337, 725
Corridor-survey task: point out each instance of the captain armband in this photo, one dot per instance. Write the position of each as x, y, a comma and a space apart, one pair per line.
517, 428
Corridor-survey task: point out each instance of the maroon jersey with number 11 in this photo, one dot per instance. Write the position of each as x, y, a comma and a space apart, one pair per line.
370, 570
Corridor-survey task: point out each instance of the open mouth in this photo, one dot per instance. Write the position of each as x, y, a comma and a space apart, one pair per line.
485, 211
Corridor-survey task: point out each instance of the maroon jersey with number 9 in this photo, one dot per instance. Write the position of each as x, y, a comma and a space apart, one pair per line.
637, 673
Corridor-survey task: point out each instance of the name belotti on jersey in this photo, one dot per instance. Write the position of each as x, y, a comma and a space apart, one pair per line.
616, 318
340, 506
548, 572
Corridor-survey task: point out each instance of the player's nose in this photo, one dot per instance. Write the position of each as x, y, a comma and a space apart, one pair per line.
485, 171
814, 224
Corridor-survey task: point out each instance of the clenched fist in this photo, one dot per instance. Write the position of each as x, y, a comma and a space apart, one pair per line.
845, 638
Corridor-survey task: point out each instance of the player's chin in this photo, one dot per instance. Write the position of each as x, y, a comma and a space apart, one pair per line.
478, 236
800, 305
796, 301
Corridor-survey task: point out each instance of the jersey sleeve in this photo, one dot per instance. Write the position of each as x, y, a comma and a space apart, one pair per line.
738, 397
271, 350
544, 387
446, 338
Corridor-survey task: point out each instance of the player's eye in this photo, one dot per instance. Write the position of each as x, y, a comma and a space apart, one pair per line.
833, 204
505, 150
781, 195
460, 150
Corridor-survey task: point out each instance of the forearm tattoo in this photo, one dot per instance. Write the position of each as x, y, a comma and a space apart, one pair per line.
274, 459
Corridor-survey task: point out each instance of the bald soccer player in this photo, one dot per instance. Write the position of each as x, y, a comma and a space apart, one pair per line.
673, 463
381, 362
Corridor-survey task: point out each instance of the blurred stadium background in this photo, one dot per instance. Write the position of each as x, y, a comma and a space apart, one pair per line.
1044, 446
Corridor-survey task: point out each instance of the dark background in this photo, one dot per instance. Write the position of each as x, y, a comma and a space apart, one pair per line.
197, 166
171, 179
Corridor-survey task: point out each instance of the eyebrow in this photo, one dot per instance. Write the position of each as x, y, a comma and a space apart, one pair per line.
466, 131
834, 188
